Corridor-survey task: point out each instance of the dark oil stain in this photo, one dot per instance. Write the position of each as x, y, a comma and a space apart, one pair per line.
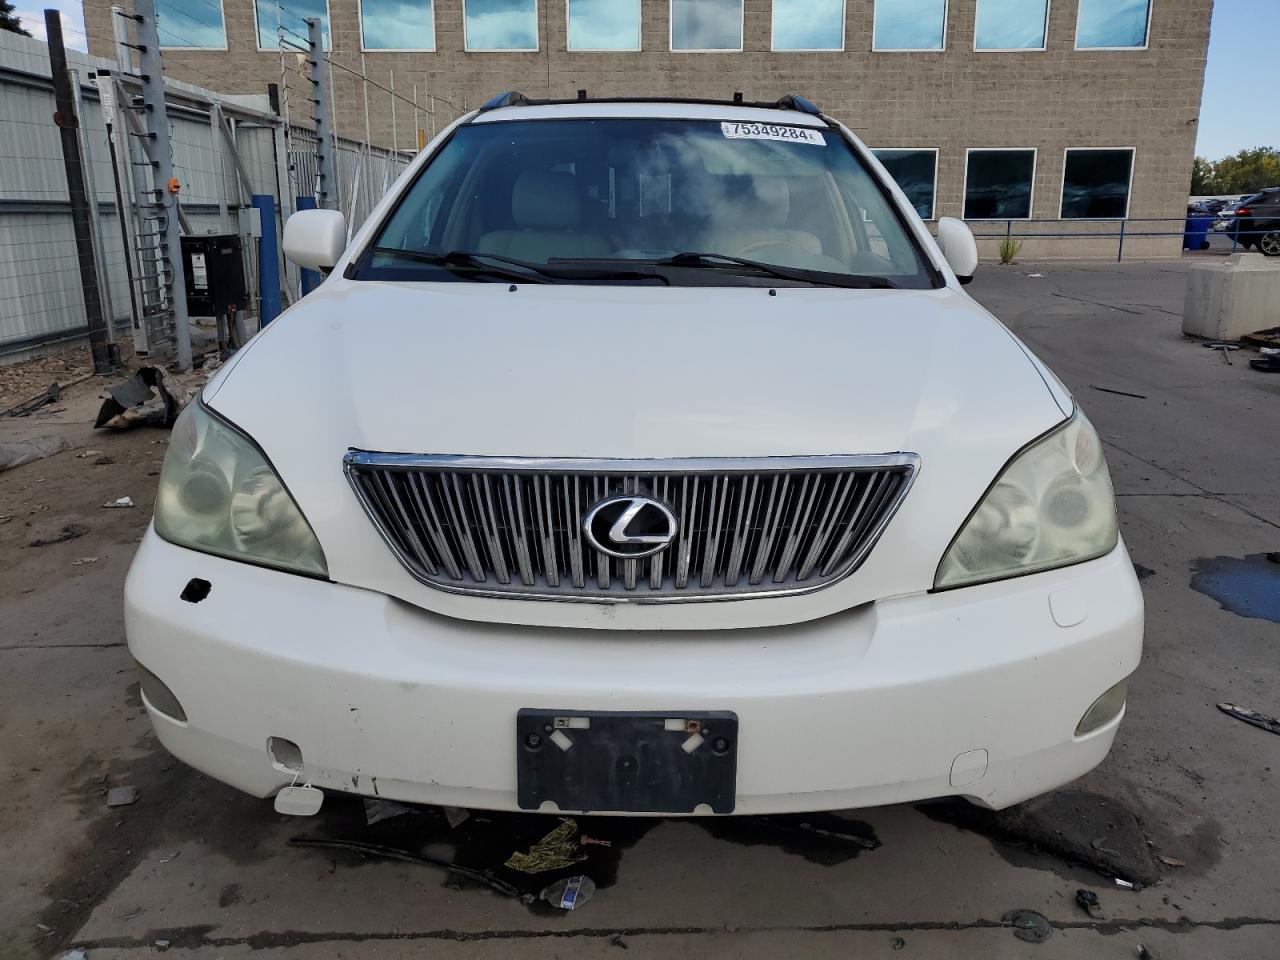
1143, 573
229, 896
1248, 586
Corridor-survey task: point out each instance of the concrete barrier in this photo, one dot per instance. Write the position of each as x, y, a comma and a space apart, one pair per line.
1228, 298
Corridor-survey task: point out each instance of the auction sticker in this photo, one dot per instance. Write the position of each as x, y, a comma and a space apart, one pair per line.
771, 131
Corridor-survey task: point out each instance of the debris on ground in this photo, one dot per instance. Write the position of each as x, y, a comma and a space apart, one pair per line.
162, 944
1119, 393
866, 843
1269, 363
69, 532
86, 454
557, 850
122, 796
570, 893
119, 502
593, 842
456, 816
148, 398
1088, 902
390, 853
897, 943
617, 941
28, 407
1172, 862
14, 453
1144, 953
1128, 884
103, 461
84, 561
73, 955
1028, 925
1270, 724
376, 811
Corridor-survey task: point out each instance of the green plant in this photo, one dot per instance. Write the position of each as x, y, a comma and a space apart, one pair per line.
1009, 248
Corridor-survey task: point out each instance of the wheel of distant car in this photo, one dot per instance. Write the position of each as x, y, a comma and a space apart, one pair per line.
1270, 244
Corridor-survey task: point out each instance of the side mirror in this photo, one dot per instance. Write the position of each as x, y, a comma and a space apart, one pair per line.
315, 239
957, 243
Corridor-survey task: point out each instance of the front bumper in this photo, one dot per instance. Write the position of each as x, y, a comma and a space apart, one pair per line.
973, 692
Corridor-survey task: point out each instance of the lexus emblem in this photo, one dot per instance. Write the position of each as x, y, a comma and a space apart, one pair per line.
630, 527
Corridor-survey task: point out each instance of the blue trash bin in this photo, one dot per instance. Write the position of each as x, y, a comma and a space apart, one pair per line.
1196, 234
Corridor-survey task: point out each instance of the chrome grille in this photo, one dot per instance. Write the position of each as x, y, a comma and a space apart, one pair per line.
503, 526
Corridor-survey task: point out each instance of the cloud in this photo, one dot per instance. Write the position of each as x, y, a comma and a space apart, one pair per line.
808, 24
72, 17
501, 25
706, 24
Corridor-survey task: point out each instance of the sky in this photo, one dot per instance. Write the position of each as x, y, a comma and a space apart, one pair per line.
1239, 99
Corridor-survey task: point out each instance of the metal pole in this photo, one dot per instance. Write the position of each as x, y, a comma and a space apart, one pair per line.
417, 136
320, 94
104, 357
107, 98
395, 129
120, 35
159, 148
1120, 252
95, 213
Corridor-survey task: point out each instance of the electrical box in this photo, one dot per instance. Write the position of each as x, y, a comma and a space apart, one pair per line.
214, 267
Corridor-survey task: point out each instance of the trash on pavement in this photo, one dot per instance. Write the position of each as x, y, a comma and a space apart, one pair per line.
147, 398
390, 853
1267, 364
570, 893
14, 453
69, 532
119, 502
1144, 953
1088, 901
1119, 393
1270, 724
83, 561
28, 407
376, 811
557, 850
1028, 925
593, 842
1172, 862
456, 816
1128, 884
897, 943
122, 796
86, 454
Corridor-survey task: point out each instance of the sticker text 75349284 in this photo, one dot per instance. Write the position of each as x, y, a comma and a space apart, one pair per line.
734, 130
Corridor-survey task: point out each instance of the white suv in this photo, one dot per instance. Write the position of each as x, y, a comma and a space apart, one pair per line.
640, 457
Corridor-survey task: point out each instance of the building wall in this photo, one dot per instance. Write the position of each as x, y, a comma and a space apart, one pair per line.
953, 100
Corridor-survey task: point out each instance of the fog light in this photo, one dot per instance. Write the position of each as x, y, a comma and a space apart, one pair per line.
160, 696
1105, 709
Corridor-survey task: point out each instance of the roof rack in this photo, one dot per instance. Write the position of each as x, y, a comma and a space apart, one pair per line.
513, 98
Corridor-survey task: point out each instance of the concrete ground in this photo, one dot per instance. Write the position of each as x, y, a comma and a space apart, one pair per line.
198, 870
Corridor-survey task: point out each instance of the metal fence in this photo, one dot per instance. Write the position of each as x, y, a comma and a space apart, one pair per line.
1212, 235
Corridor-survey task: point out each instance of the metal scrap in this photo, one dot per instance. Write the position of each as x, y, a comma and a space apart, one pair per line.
146, 398
1261, 720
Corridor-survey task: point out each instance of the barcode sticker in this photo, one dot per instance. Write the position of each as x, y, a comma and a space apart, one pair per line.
771, 131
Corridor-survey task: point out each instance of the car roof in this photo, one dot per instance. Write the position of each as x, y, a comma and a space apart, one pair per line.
789, 111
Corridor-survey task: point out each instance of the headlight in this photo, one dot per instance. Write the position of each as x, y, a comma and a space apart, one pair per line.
1052, 506
218, 494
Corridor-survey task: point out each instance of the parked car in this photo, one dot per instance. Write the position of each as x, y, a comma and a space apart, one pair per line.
644, 457
1256, 222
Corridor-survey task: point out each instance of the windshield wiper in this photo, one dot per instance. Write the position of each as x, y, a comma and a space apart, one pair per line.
489, 263
823, 277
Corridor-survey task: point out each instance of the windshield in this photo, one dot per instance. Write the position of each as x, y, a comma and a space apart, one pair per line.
693, 202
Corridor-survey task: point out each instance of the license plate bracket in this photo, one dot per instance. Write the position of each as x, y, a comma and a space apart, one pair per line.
627, 762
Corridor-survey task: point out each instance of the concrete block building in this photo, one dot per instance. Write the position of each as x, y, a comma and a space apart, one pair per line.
1028, 117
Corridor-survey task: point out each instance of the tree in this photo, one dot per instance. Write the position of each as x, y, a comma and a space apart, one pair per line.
9, 20
1245, 172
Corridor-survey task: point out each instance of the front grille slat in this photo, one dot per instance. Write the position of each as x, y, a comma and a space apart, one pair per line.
514, 528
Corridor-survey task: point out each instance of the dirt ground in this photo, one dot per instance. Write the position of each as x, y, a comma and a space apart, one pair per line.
194, 868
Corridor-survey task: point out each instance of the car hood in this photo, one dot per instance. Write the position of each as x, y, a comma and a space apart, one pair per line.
637, 372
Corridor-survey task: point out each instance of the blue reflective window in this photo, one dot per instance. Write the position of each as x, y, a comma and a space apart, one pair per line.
604, 24
289, 21
916, 173
1112, 23
808, 24
1095, 184
706, 24
191, 23
910, 24
998, 184
1011, 24
397, 25
501, 24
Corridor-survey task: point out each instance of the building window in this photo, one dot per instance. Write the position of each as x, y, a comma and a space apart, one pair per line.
501, 24
397, 25
910, 25
808, 24
604, 24
192, 24
916, 172
706, 25
1011, 25
1095, 184
998, 184
285, 25
1113, 24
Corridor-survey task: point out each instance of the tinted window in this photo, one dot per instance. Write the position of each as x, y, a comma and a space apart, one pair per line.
290, 22
397, 25
916, 172
191, 23
910, 24
1011, 24
604, 25
1095, 184
706, 24
1112, 23
808, 24
998, 184
629, 191
501, 24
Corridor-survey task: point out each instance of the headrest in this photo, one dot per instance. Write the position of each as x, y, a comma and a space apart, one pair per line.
768, 201
546, 200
